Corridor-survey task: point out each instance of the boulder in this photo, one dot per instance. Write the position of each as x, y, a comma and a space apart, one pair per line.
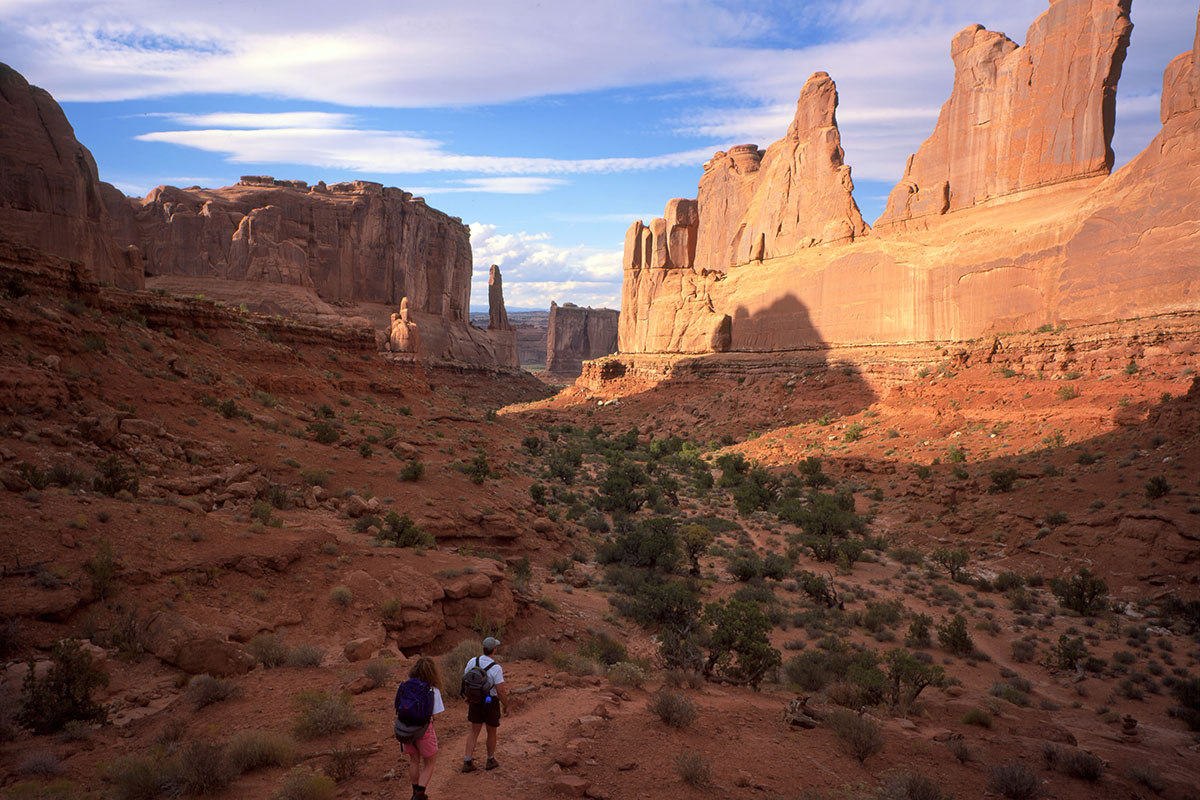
362, 648
184, 643
571, 785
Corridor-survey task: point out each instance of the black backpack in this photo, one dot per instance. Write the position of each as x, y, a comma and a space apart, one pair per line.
414, 709
476, 685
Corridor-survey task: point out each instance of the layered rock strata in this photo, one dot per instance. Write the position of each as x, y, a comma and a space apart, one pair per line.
1046, 236
51, 195
578, 334
1021, 117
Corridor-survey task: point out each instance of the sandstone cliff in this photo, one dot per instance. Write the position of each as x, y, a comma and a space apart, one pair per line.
1066, 244
1021, 117
51, 196
578, 334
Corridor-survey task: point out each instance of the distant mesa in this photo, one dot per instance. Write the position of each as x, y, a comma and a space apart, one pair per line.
577, 334
1007, 217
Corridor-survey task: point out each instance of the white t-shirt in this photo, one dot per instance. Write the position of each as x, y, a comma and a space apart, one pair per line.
438, 705
495, 674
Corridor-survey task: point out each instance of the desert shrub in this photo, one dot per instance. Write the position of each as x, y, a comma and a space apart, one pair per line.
305, 655
43, 763
1023, 650
683, 679
601, 647
953, 635
1084, 593
918, 631
1008, 580
1011, 693
269, 649
1147, 776
322, 713
64, 693
377, 672
861, 736
1014, 781
205, 690
315, 477
1073, 761
960, 750
324, 432
1157, 487
693, 769
102, 570
204, 768
909, 556
262, 512
910, 786
342, 596
254, 750
626, 674
1069, 652
808, 670
674, 709
400, 531
652, 544
454, 663
114, 477
141, 777
977, 716
1003, 480
1187, 694
345, 762
535, 649
305, 783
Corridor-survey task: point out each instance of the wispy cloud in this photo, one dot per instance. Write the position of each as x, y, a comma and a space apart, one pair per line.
504, 185
393, 152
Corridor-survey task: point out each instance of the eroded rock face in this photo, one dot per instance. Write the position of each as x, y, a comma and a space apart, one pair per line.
578, 334
1021, 117
500, 331
51, 196
349, 242
1085, 248
803, 194
725, 190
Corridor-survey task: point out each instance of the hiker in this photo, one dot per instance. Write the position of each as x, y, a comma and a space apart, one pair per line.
485, 692
418, 701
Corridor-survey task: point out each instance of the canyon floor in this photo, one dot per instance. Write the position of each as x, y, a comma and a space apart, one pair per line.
190, 489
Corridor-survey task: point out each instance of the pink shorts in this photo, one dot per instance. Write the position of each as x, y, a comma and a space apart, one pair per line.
426, 746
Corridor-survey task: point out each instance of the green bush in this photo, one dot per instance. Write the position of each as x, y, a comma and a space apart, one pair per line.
64, 694
1003, 480
693, 769
400, 531
1157, 487
912, 786
739, 643
1084, 593
142, 777
1015, 782
1187, 694
204, 768
102, 571
113, 477
269, 649
205, 690
413, 471
324, 432
953, 635
250, 751
315, 477
977, 716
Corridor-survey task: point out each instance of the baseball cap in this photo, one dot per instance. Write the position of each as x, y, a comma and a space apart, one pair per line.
491, 643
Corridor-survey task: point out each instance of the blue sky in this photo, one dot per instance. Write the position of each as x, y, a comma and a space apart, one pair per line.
548, 126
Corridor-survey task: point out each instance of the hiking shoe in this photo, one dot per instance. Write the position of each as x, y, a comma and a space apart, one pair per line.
492, 763
469, 766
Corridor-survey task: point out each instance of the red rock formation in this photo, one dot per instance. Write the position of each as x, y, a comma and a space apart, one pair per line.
803, 192
497, 315
1021, 117
1087, 250
578, 334
51, 196
725, 191
349, 242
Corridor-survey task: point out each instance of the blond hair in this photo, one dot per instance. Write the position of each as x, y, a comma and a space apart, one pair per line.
426, 669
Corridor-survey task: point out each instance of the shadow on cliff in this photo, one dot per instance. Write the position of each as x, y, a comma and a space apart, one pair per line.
788, 379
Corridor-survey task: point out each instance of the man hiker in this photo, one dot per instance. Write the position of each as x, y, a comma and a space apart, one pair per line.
483, 687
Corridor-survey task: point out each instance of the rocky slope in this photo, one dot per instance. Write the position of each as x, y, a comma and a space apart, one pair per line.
1026, 245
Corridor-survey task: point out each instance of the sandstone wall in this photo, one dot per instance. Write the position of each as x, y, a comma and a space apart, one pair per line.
578, 334
1021, 117
1072, 246
51, 196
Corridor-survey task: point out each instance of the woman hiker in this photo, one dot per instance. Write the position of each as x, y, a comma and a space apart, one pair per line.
423, 754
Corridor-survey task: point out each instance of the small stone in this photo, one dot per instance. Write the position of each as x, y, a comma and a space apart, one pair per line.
571, 785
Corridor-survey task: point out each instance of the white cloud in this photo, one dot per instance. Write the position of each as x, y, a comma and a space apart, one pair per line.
393, 152
537, 271
261, 120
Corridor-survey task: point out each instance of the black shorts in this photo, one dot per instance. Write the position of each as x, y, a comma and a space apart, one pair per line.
484, 713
